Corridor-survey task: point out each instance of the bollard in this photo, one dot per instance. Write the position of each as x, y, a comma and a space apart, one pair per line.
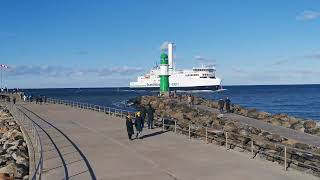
175, 126
206, 135
252, 153
226, 140
189, 132
285, 158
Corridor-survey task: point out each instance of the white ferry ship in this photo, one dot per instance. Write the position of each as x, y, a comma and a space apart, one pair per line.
197, 78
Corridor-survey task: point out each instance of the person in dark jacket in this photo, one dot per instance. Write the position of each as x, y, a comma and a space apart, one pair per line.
221, 105
138, 123
228, 103
14, 100
143, 115
129, 124
150, 112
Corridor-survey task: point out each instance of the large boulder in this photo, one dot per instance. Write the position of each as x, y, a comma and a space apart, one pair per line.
263, 115
253, 113
309, 124
230, 127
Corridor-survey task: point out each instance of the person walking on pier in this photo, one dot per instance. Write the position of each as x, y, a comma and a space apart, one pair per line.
40, 99
143, 115
228, 103
129, 124
14, 100
221, 105
150, 112
138, 123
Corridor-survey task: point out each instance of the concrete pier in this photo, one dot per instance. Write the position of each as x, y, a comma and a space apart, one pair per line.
82, 144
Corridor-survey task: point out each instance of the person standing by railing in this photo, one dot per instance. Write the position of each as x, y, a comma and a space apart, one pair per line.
221, 105
143, 115
150, 112
129, 124
228, 103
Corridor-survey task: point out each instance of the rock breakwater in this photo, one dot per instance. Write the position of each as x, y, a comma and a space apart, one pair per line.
14, 157
266, 145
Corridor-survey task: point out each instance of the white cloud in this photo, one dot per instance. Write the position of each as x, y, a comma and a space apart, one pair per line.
205, 60
308, 15
164, 46
60, 71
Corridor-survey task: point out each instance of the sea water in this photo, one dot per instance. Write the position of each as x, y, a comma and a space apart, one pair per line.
297, 100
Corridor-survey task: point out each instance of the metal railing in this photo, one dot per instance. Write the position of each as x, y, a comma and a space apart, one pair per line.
226, 138
32, 137
286, 152
86, 106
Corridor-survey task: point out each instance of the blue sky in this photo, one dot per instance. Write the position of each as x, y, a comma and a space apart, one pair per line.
78, 43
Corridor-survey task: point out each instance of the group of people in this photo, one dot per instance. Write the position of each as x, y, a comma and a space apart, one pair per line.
138, 121
41, 99
227, 103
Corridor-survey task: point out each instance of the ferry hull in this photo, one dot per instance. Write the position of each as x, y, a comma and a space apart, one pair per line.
210, 88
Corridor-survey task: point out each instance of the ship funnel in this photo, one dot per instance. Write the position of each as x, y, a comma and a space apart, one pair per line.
170, 55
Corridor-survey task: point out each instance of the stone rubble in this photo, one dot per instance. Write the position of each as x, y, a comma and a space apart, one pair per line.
270, 146
14, 157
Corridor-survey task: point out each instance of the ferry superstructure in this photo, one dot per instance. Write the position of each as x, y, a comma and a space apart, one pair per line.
197, 78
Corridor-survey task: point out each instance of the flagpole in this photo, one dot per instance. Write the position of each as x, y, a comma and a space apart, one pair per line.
1, 77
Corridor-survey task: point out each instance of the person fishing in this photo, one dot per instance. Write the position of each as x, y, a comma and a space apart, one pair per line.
129, 124
138, 122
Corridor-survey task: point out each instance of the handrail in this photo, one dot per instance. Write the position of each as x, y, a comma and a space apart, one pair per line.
32, 131
93, 107
173, 126
119, 113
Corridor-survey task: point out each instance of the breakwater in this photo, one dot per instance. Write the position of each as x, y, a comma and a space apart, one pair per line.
14, 155
202, 120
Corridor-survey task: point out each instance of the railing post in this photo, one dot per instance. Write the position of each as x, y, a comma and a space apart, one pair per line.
175, 126
99, 108
206, 135
104, 109
162, 124
285, 158
252, 153
109, 111
189, 131
226, 140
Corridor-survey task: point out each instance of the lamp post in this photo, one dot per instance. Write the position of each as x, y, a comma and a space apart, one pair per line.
3, 66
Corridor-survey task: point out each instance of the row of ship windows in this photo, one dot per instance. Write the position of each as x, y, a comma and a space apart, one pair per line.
210, 70
192, 74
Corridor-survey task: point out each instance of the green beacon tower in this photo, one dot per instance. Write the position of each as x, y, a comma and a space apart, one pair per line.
164, 74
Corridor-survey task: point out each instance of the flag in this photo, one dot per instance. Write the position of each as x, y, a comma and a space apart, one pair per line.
4, 66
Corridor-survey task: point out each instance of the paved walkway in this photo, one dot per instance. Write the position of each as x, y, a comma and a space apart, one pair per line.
282, 131
81, 141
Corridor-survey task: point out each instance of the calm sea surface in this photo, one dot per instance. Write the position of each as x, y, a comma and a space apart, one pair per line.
297, 100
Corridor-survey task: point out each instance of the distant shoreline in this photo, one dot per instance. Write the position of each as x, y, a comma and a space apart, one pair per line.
129, 87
